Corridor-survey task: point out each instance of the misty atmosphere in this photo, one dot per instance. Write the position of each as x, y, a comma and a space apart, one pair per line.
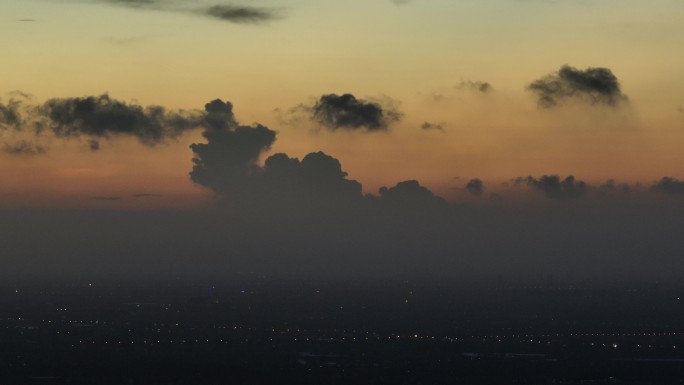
316, 192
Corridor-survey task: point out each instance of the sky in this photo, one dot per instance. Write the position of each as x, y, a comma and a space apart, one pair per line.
135, 105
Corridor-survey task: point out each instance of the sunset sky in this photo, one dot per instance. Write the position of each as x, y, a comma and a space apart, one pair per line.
425, 60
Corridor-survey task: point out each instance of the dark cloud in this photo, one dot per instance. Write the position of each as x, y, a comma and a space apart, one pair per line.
94, 145
240, 14
104, 117
24, 147
317, 181
555, 188
229, 157
227, 164
427, 126
669, 185
478, 86
410, 195
475, 187
10, 115
592, 85
226, 12
347, 112
611, 186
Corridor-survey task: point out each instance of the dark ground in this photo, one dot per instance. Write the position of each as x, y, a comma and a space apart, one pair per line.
268, 331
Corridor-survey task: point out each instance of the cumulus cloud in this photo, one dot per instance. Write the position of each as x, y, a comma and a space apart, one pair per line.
554, 188
669, 185
410, 194
595, 86
229, 157
228, 165
103, 117
475, 187
317, 180
349, 113
24, 147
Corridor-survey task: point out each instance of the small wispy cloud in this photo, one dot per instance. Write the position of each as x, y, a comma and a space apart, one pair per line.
147, 195
427, 126
242, 14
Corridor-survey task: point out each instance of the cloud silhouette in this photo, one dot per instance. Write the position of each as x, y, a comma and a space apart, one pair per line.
410, 195
10, 115
228, 165
229, 157
669, 185
99, 117
349, 113
611, 186
593, 85
555, 188
240, 14
225, 12
475, 187
94, 145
